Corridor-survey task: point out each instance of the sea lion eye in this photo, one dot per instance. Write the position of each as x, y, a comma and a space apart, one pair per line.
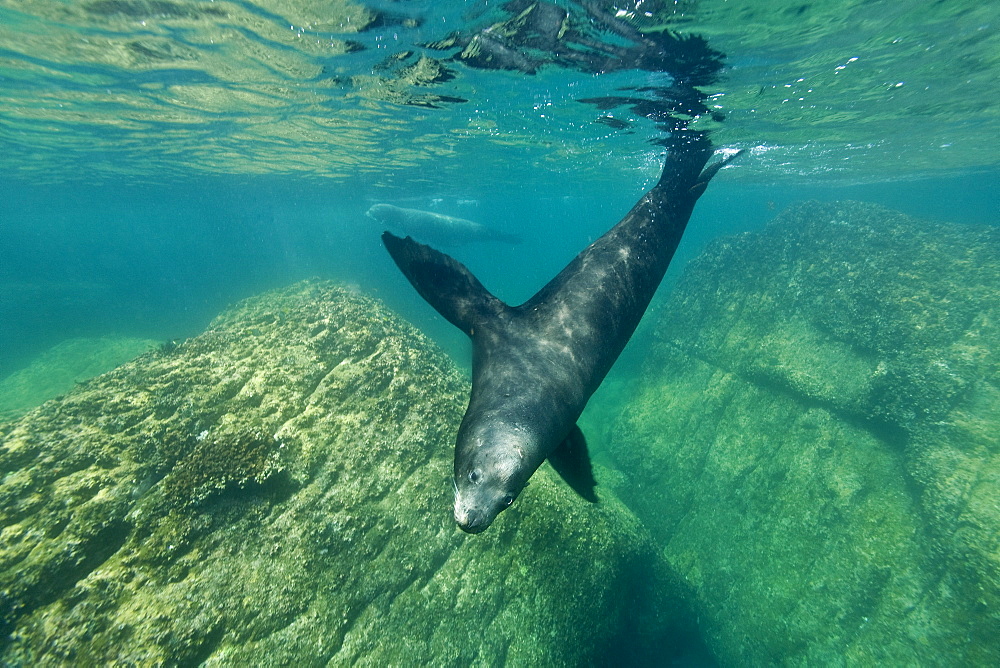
473, 476
507, 500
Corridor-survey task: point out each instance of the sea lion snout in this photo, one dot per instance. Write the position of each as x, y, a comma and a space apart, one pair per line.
475, 509
470, 520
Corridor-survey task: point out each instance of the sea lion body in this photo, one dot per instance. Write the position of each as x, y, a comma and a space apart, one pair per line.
535, 366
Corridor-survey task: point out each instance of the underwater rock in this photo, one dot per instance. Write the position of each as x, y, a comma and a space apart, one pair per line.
816, 440
277, 491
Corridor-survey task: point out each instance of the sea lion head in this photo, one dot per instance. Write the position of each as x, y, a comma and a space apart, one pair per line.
380, 212
491, 469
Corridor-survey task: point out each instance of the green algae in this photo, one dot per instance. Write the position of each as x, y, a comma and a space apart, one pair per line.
814, 442
277, 491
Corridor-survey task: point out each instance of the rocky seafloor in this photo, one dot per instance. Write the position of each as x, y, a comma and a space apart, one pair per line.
815, 441
276, 491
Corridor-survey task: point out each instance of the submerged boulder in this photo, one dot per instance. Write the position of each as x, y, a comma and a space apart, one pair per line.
277, 491
816, 440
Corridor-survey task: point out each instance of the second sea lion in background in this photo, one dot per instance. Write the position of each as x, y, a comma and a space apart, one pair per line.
436, 228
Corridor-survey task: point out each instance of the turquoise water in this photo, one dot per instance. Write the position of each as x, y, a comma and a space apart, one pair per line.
160, 160
160, 260
163, 159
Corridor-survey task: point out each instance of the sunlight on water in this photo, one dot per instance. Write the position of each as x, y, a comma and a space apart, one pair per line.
335, 89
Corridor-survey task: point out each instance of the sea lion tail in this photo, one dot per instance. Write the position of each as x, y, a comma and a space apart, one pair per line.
684, 171
710, 171
444, 282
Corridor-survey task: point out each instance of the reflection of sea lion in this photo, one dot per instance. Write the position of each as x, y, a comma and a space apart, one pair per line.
535, 366
435, 227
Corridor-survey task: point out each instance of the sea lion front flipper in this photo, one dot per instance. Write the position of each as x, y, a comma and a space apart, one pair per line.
444, 282
571, 460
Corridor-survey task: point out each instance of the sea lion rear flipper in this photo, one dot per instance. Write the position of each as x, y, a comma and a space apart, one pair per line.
444, 282
571, 461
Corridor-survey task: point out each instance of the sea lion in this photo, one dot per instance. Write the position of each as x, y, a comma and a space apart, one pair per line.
436, 227
535, 366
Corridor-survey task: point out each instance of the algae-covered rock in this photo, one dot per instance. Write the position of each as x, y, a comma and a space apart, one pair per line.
816, 440
58, 369
276, 491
